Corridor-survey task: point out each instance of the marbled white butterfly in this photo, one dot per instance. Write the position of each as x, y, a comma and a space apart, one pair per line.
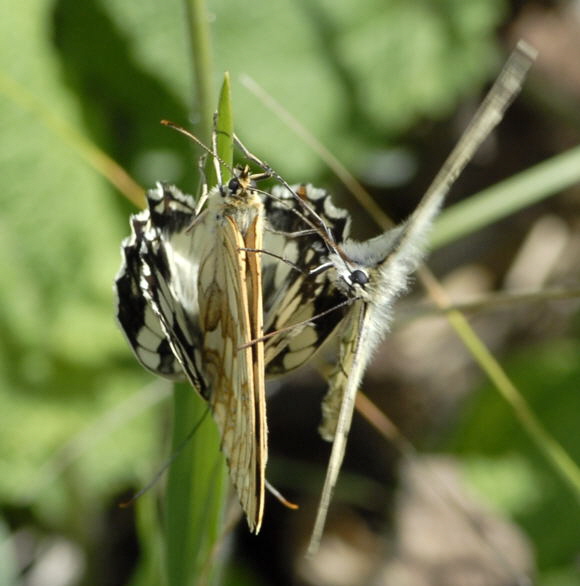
370, 275
189, 296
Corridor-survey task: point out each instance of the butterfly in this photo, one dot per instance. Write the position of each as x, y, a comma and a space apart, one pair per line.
370, 275
325, 282
189, 296
189, 300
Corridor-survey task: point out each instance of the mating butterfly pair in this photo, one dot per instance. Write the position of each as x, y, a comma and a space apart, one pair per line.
254, 284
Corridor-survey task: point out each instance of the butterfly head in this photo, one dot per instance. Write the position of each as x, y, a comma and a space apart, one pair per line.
353, 282
241, 183
238, 184
352, 278
358, 277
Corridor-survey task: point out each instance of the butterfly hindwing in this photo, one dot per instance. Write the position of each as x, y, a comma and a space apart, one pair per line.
146, 253
297, 295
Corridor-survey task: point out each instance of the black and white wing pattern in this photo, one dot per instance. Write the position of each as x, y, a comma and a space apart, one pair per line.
372, 274
155, 287
297, 290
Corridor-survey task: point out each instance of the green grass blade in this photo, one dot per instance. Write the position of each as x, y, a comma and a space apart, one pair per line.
80, 144
195, 490
202, 60
225, 127
197, 483
507, 197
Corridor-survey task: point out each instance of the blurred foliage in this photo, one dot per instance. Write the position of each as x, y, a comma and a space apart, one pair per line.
503, 464
357, 74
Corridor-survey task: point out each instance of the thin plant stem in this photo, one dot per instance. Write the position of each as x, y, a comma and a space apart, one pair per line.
201, 55
561, 462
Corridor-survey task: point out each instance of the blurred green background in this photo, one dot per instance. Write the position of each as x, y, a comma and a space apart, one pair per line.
387, 85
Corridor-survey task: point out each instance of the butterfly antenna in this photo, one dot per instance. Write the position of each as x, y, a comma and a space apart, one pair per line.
296, 325
167, 464
274, 255
304, 206
318, 224
273, 173
194, 138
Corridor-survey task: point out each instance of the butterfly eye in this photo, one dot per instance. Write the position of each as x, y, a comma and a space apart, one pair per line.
358, 277
233, 185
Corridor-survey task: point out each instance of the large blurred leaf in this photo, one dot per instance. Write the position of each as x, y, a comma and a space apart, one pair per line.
59, 249
348, 70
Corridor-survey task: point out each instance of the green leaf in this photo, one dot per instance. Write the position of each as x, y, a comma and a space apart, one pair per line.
225, 128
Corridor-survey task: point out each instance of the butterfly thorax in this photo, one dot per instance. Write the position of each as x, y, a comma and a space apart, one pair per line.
237, 200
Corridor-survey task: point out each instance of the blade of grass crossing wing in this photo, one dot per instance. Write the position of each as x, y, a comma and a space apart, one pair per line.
197, 481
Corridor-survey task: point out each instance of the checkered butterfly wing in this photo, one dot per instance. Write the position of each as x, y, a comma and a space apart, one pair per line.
155, 287
298, 292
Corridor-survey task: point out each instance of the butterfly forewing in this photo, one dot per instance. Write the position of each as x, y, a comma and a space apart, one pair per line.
230, 303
